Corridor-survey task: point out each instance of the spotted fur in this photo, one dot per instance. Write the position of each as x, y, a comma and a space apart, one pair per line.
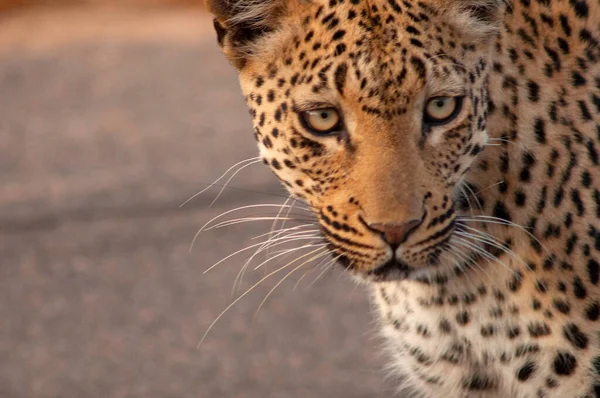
496, 292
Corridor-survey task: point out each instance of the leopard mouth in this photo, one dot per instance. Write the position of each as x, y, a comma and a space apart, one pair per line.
393, 270
398, 270
434, 260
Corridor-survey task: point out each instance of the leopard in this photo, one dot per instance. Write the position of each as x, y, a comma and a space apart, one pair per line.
449, 151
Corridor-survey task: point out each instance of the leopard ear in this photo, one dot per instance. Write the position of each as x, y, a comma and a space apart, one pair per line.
484, 11
477, 17
240, 23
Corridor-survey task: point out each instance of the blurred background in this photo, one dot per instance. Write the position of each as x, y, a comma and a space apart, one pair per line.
112, 114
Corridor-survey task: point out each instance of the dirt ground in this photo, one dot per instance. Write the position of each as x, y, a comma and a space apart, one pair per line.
109, 120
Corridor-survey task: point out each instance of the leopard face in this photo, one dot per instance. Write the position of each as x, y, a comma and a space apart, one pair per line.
371, 112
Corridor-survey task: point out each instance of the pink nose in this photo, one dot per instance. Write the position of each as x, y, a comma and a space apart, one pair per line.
396, 233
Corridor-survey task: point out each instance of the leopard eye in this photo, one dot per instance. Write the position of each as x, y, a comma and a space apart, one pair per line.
441, 110
322, 121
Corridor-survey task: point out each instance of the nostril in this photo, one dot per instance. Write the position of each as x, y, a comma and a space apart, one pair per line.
395, 233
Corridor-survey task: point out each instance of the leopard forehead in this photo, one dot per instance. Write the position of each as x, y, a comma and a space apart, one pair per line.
382, 56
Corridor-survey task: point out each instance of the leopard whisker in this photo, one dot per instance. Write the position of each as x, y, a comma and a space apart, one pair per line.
289, 239
222, 224
489, 187
251, 160
462, 264
328, 266
464, 193
294, 202
476, 267
474, 263
309, 271
307, 246
238, 252
277, 254
255, 206
505, 139
279, 232
468, 187
238, 300
273, 226
482, 252
231, 178
311, 233
489, 239
304, 235
286, 232
292, 272
242, 220
235, 222
281, 250
501, 221
483, 240
231, 255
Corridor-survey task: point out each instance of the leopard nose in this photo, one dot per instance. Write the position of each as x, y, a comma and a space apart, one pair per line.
396, 233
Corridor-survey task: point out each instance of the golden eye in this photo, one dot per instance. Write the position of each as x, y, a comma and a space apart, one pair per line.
441, 110
322, 121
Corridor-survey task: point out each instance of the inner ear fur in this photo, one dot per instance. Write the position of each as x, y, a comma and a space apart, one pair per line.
485, 11
476, 18
240, 23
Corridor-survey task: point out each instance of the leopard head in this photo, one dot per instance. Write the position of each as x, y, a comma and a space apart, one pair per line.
370, 111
